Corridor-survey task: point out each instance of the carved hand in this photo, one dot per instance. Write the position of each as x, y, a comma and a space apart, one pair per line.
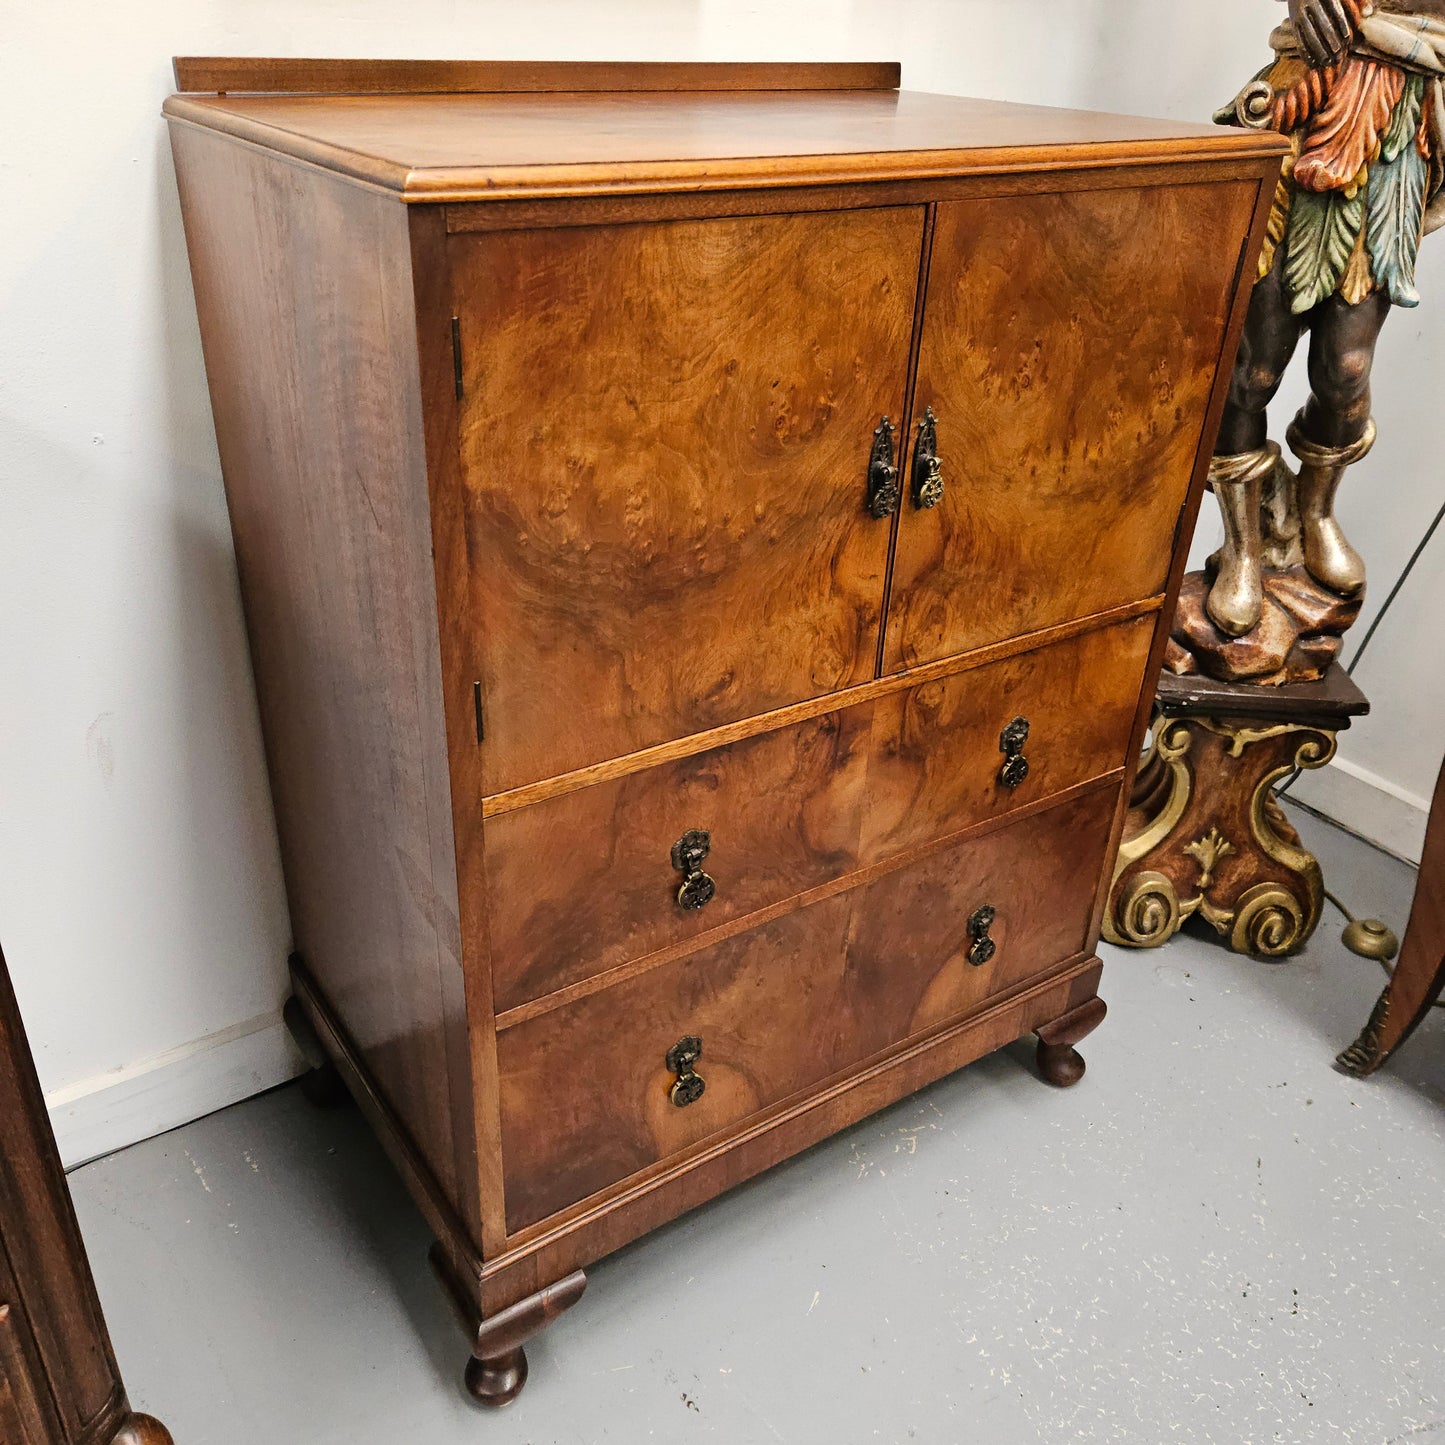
1325, 27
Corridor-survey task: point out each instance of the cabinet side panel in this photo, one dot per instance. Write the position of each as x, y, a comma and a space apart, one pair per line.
304, 290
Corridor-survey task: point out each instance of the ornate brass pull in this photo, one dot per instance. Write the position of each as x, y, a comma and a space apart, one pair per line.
927, 469
689, 1085
687, 856
983, 947
1011, 744
882, 473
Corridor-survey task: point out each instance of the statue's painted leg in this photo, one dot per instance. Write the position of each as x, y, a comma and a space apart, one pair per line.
1330, 558
1271, 334
1237, 597
1335, 430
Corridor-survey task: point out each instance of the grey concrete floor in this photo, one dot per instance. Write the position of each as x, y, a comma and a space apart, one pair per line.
1214, 1237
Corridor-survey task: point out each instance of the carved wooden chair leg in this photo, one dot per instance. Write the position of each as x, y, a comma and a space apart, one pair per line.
321, 1083
498, 1368
1419, 977
141, 1430
1060, 1063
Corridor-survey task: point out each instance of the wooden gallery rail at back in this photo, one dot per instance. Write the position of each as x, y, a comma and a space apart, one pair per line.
708, 535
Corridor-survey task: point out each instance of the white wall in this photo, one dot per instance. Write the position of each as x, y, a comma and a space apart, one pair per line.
141, 906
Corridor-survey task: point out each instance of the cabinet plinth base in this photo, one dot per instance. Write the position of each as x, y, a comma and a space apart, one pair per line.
1205, 834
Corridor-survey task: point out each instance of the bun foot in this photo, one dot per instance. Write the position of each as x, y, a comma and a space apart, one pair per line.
321, 1084
141, 1430
323, 1088
497, 1369
497, 1381
1059, 1062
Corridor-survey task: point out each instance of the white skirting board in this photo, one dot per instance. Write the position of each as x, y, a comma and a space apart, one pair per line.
108, 1111
1365, 803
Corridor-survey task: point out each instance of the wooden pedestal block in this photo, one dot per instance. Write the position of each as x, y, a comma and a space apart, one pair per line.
1204, 834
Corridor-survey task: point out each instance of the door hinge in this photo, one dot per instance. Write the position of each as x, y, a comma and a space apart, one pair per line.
457, 360
477, 705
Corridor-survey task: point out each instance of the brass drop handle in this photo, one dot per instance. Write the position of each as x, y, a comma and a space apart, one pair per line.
882, 473
927, 469
1011, 744
687, 857
682, 1057
983, 947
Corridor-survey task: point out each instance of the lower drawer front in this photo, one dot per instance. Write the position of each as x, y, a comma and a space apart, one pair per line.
588, 1097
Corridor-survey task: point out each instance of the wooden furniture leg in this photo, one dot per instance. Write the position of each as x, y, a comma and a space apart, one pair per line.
322, 1084
1419, 977
1060, 1063
141, 1430
498, 1368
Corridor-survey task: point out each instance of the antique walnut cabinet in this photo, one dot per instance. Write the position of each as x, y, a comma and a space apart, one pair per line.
704, 533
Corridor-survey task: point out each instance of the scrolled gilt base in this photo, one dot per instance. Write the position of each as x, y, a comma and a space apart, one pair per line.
1205, 836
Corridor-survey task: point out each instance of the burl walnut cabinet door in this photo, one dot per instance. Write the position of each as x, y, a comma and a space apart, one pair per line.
666, 432
1068, 371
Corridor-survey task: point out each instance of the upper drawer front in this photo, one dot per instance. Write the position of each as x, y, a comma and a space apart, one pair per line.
587, 1094
1069, 373
666, 437
583, 882
941, 760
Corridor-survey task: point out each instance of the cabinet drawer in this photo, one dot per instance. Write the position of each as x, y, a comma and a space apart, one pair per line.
586, 1090
584, 882
938, 760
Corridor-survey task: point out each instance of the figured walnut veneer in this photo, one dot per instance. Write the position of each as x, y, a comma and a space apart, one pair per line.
550, 420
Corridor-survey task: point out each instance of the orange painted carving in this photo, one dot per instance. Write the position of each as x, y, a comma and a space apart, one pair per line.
1346, 133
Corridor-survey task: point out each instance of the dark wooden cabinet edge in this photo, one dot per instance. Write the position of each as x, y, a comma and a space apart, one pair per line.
32, 1148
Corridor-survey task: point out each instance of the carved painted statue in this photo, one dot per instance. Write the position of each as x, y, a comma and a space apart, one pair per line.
1360, 90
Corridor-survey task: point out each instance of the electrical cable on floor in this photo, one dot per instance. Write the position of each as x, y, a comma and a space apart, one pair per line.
1374, 626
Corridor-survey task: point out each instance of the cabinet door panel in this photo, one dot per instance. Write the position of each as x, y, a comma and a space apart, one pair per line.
1069, 372
665, 437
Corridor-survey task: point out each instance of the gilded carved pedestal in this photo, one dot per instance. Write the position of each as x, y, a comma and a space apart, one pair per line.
1204, 833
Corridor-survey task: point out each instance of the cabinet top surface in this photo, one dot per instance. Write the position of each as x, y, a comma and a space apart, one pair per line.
437, 146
